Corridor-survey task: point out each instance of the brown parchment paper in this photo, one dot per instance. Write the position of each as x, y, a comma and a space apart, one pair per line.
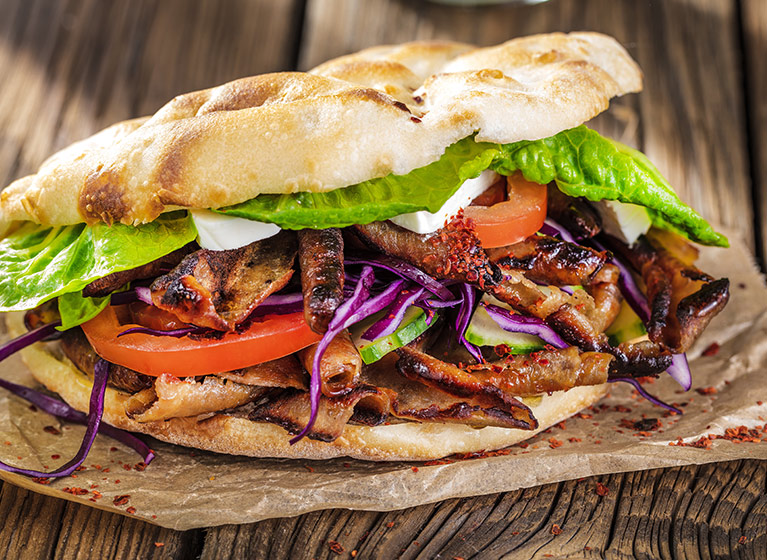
185, 489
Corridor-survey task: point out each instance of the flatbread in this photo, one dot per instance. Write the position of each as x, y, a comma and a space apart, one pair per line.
238, 436
380, 111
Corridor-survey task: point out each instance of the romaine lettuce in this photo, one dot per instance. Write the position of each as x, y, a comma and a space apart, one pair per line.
38, 263
582, 163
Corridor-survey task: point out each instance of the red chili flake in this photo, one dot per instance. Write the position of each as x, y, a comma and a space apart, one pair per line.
574, 440
308, 468
154, 517
759, 403
556, 529
121, 500
711, 350
706, 390
33, 408
130, 510
112, 449
437, 462
7, 443
55, 456
117, 481
523, 445
96, 495
106, 470
140, 466
347, 465
127, 467
335, 547
414, 469
584, 416
554, 443
561, 425
159, 544
52, 430
602, 490
94, 486
75, 491
597, 441
743, 539
42, 480
621, 408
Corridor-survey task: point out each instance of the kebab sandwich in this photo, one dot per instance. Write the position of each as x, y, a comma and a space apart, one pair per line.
407, 252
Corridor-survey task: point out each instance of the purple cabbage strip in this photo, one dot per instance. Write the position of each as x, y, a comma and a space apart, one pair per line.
175, 333
653, 399
680, 371
62, 410
391, 321
96, 409
462, 321
404, 270
528, 325
344, 311
26, 339
144, 294
553, 229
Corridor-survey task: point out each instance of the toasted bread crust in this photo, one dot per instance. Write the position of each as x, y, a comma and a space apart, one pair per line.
382, 110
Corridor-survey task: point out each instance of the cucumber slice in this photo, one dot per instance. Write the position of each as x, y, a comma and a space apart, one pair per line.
483, 331
412, 326
626, 327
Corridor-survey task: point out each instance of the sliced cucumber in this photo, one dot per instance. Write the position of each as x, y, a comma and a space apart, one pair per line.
412, 326
626, 327
483, 331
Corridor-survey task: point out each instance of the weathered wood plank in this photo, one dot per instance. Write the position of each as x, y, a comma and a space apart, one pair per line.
31, 523
754, 29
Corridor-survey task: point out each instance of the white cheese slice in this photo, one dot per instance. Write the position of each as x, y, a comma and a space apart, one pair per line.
624, 221
218, 232
428, 222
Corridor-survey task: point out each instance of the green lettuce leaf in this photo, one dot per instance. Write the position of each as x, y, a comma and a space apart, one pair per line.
582, 163
75, 309
425, 188
38, 263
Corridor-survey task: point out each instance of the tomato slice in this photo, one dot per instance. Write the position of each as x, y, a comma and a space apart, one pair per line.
514, 219
268, 338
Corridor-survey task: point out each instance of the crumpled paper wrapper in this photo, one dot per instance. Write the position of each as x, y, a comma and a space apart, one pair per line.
185, 488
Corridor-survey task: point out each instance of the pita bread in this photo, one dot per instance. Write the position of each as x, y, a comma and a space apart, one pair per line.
238, 436
383, 110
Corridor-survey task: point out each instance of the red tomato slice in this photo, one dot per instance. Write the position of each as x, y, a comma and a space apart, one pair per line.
268, 338
512, 220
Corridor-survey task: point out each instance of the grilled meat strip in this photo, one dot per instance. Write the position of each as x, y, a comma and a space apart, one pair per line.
452, 252
575, 214
550, 260
421, 367
321, 258
339, 367
282, 372
108, 284
219, 289
683, 299
291, 409
513, 376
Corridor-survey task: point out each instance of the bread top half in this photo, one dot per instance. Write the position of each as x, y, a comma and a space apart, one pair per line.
388, 109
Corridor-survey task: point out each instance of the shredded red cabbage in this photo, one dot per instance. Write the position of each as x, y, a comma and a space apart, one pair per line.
393, 317
404, 270
513, 322
653, 399
337, 324
679, 370
465, 310
64, 411
553, 229
175, 333
95, 412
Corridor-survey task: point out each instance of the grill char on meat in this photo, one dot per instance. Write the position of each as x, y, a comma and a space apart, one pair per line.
321, 259
575, 214
219, 289
453, 253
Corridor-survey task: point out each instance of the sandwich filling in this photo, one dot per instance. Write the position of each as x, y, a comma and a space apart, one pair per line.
459, 292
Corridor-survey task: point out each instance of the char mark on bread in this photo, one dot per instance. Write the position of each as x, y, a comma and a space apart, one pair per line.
453, 252
321, 259
219, 289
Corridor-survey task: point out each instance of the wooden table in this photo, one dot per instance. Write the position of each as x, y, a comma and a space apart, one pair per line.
70, 67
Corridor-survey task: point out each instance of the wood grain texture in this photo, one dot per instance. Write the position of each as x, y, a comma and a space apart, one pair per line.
71, 67
753, 19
